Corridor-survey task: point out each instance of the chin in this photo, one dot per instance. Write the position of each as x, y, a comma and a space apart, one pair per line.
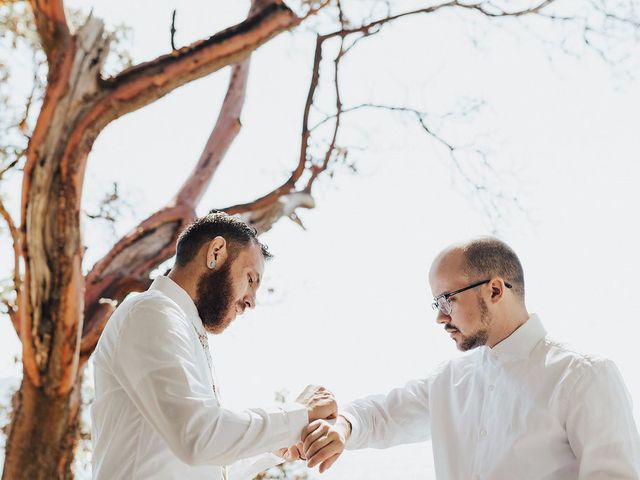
218, 329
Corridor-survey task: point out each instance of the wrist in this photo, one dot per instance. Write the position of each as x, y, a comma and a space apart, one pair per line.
343, 426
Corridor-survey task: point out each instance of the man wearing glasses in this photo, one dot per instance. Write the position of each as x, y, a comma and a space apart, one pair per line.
517, 406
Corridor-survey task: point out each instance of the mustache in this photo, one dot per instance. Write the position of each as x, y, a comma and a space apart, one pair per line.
450, 328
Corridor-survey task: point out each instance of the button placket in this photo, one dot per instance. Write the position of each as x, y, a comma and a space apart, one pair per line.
488, 408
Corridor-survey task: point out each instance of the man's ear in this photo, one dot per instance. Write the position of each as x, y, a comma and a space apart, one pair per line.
217, 253
497, 289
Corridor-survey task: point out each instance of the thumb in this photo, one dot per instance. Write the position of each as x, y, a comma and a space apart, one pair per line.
293, 453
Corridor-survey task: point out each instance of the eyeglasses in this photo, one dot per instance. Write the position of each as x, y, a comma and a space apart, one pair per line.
441, 302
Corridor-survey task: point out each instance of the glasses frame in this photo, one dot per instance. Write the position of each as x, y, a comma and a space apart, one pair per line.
441, 302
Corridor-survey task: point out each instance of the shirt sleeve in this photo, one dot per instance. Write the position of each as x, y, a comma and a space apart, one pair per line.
249, 467
600, 425
381, 421
154, 362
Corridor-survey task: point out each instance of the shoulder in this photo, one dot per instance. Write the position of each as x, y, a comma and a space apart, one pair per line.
147, 314
575, 367
556, 352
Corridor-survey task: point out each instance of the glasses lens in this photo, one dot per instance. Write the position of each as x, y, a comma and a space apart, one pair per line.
444, 306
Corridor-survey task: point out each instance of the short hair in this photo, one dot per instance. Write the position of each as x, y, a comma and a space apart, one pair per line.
204, 229
488, 256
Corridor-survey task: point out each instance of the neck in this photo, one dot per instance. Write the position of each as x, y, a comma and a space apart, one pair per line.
185, 280
506, 324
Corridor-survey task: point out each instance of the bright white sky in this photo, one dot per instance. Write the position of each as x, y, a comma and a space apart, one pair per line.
351, 303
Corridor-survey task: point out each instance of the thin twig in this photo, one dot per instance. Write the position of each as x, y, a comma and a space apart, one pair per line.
290, 183
479, 7
173, 30
15, 236
316, 170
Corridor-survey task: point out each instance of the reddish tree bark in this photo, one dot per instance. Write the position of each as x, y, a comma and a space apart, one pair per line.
55, 298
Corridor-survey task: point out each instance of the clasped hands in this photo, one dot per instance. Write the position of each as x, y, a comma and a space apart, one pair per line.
322, 441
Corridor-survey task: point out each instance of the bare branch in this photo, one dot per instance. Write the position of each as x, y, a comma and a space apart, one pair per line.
289, 185
262, 219
18, 156
366, 30
15, 237
486, 8
144, 83
316, 170
173, 30
51, 23
126, 267
222, 136
22, 124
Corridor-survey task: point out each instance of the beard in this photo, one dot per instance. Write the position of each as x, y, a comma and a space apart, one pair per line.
481, 335
214, 299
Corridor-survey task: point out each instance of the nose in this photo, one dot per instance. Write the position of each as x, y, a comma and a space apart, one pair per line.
442, 318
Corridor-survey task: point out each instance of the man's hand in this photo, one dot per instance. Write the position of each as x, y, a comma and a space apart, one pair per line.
290, 454
319, 401
323, 443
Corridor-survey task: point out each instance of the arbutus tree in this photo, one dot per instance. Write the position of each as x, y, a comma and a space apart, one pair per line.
57, 309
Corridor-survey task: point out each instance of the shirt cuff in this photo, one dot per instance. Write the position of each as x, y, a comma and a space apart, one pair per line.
250, 467
352, 441
291, 418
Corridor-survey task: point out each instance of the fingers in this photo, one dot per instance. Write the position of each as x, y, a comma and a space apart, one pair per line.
306, 431
300, 450
331, 449
320, 431
322, 444
293, 454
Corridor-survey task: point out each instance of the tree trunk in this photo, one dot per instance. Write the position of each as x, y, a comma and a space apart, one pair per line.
78, 104
37, 415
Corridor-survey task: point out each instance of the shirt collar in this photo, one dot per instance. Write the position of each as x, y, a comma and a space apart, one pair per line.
176, 293
522, 341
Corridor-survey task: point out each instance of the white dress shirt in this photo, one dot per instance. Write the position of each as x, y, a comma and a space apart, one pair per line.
529, 408
156, 414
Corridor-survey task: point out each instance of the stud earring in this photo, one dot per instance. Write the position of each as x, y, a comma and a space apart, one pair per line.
212, 264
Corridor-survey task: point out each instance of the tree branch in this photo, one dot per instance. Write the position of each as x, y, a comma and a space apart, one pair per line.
126, 267
51, 23
15, 236
316, 170
224, 133
289, 185
144, 83
173, 30
484, 8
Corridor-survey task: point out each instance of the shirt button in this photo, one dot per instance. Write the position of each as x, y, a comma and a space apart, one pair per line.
483, 433
492, 388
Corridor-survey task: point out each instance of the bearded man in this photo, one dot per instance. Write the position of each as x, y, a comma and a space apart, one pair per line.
157, 413
518, 405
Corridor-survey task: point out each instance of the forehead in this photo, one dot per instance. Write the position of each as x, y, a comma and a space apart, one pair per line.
447, 272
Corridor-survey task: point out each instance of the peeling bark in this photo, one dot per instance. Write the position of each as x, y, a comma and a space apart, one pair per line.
56, 298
